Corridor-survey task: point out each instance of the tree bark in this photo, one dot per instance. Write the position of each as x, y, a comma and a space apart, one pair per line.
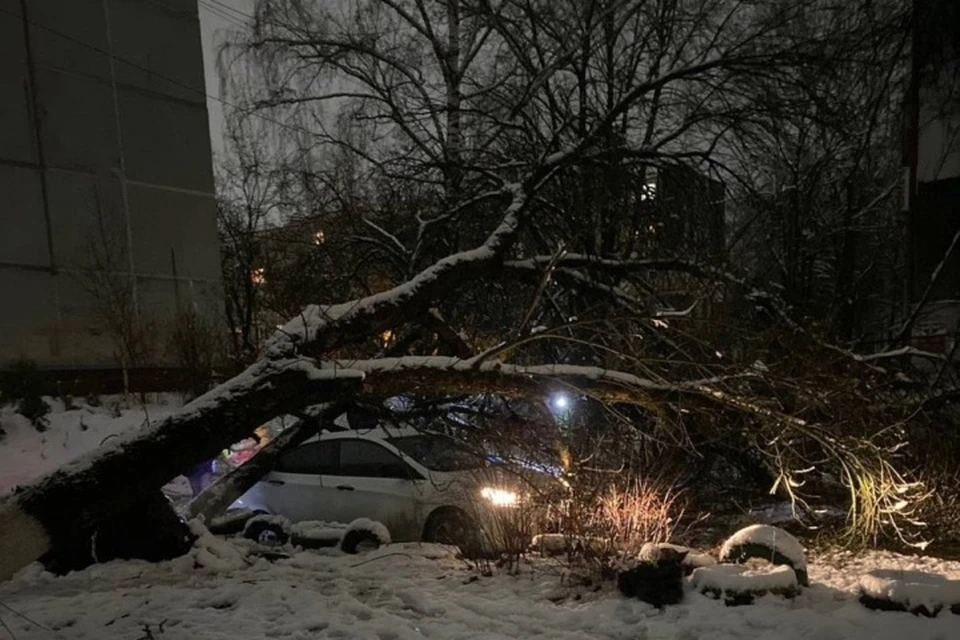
218, 497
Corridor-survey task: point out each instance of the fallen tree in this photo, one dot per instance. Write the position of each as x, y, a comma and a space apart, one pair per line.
533, 151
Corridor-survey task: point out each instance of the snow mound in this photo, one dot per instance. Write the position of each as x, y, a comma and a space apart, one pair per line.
739, 584
767, 542
914, 591
213, 553
318, 530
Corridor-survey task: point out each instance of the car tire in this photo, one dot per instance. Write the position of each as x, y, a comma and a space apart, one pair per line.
454, 527
359, 540
267, 531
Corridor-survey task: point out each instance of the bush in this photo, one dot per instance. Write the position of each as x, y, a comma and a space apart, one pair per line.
23, 384
197, 346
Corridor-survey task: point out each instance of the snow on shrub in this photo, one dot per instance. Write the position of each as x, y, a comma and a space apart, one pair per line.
739, 585
769, 543
267, 529
364, 530
914, 591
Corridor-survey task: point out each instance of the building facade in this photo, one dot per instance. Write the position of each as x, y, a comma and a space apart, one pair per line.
106, 177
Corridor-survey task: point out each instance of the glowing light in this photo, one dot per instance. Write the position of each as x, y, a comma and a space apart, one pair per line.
318, 237
500, 497
386, 337
561, 401
258, 276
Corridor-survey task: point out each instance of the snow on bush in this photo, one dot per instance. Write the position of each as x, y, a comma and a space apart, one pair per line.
741, 584
767, 542
914, 591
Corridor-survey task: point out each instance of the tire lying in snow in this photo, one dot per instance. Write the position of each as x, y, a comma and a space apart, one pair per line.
924, 594
364, 534
739, 585
768, 543
657, 582
273, 531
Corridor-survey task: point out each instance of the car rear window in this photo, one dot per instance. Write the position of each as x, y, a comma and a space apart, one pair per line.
438, 453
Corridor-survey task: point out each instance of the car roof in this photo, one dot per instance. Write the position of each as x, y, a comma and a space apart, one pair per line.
377, 433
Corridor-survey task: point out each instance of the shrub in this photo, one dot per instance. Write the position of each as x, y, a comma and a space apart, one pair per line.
23, 384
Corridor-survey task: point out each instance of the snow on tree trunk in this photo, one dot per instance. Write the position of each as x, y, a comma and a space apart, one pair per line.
91, 491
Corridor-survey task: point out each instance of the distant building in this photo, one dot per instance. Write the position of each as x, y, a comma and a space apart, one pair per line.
105, 160
932, 172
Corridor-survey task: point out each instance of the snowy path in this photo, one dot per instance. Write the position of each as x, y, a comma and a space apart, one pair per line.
415, 592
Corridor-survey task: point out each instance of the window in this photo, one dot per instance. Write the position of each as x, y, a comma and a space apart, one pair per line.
370, 460
438, 453
312, 458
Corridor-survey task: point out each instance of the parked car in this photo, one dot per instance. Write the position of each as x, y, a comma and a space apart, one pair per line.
421, 485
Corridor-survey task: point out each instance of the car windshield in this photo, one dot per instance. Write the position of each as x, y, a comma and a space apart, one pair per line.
438, 453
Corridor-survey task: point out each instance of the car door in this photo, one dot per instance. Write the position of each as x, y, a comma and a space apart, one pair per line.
373, 482
295, 490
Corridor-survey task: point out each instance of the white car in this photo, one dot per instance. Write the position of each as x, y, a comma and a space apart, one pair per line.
421, 485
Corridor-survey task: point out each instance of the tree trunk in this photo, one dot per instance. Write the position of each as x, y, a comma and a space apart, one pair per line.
83, 495
218, 497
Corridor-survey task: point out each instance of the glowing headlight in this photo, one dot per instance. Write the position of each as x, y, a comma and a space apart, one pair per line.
500, 497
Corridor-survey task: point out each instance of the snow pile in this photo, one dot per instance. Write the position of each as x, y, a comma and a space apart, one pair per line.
914, 591
739, 584
213, 553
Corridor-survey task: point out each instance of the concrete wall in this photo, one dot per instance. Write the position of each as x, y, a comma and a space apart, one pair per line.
104, 158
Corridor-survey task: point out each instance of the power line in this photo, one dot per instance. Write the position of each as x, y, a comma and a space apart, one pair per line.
149, 71
220, 13
232, 9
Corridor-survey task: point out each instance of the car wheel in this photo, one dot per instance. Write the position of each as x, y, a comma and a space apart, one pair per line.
267, 530
359, 541
453, 527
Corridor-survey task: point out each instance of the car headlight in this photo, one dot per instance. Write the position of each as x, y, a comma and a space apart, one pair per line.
500, 497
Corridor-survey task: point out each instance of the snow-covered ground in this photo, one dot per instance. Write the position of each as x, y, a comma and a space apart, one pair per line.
406, 592
27, 454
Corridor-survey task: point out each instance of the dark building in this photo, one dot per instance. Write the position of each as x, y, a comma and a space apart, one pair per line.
104, 148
